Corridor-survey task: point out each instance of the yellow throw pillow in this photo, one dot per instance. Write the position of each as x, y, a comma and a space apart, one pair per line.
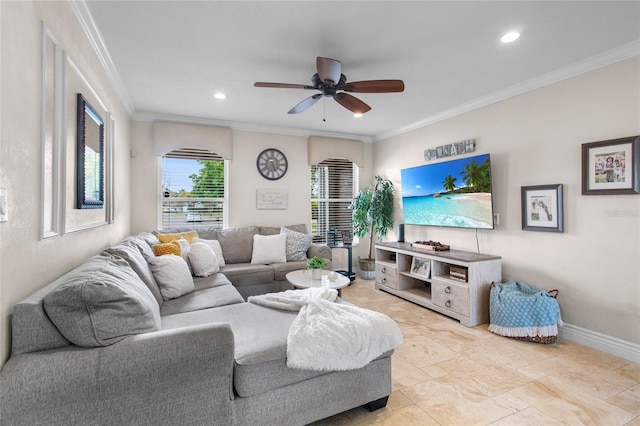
167, 248
167, 238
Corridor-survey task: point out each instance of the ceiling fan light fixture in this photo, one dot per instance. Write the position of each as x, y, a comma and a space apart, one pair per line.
220, 95
331, 83
358, 114
509, 37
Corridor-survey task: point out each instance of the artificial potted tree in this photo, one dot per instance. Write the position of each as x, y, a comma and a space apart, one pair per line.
373, 214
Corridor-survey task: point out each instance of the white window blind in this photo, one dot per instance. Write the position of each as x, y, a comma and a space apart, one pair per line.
194, 191
333, 185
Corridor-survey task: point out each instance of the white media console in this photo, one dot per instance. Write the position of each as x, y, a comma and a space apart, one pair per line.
453, 282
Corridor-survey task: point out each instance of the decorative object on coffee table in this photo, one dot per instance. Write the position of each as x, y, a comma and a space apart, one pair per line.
372, 213
316, 263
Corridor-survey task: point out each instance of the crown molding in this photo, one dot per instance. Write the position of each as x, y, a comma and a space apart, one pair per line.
610, 57
247, 127
83, 15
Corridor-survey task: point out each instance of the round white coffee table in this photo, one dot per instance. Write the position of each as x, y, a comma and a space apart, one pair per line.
302, 279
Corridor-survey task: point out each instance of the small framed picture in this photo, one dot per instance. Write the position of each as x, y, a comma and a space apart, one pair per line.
542, 208
421, 267
347, 237
611, 167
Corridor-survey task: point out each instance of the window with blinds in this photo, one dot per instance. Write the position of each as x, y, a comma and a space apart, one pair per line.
334, 183
194, 190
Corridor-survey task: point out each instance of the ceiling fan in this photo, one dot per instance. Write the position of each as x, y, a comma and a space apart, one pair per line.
330, 81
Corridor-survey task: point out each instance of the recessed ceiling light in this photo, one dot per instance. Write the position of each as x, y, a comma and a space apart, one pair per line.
510, 36
220, 96
358, 115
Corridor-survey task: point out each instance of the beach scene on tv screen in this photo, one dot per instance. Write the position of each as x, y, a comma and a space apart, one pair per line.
453, 193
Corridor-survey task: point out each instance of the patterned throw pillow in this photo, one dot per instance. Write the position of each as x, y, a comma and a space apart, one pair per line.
167, 248
297, 244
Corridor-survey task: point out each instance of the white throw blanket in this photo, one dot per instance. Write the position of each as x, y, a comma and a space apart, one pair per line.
327, 336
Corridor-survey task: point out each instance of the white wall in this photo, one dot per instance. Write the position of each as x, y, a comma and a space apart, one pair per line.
244, 180
26, 262
535, 139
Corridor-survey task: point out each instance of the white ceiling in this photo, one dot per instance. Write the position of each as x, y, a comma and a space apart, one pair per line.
169, 57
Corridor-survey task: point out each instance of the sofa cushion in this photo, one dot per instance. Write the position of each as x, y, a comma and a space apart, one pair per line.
260, 336
297, 244
172, 275
202, 299
247, 274
203, 260
214, 280
269, 249
101, 302
129, 251
272, 230
216, 247
144, 241
31, 327
237, 243
280, 270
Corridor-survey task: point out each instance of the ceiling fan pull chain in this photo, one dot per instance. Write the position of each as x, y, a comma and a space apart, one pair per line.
324, 109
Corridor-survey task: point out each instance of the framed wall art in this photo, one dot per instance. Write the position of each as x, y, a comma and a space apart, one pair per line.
542, 208
611, 167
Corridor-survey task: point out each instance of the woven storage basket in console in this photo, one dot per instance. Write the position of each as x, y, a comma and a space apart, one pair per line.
524, 312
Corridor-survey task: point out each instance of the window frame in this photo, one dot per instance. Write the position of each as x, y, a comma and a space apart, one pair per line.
325, 200
224, 201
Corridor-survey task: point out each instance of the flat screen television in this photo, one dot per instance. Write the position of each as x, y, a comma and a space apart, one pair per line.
455, 193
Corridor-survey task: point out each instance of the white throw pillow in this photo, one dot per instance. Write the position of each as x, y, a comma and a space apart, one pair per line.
185, 247
217, 249
203, 260
172, 275
269, 249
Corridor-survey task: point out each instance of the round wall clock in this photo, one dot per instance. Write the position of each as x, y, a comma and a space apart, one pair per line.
272, 164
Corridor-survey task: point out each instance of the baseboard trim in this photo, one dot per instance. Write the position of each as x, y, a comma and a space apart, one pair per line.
601, 342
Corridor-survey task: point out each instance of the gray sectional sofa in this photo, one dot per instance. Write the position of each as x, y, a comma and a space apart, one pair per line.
100, 345
251, 279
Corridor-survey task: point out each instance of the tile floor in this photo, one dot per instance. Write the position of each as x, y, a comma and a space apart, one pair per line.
449, 374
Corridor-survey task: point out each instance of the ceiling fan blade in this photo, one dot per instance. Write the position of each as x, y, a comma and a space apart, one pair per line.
282, 85
351, 103
302, 106
374, 86
329, 69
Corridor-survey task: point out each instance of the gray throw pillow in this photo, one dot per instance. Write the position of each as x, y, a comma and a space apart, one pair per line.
297, 244
102, 302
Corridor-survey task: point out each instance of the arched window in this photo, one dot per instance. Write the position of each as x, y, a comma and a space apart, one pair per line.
194, 189
334, 183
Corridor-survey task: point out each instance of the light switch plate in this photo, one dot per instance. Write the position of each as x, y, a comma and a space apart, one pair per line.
4, 213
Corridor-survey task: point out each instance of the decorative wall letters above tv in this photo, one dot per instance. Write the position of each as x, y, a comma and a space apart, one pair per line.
450, 150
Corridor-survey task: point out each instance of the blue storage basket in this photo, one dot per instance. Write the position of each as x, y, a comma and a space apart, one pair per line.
524, 312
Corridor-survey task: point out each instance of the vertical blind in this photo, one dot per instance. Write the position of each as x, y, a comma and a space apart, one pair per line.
333, 185
193, 189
